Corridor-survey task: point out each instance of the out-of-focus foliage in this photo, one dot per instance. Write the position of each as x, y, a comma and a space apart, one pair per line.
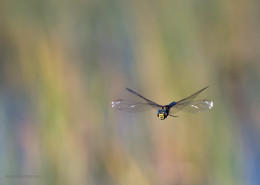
63, 62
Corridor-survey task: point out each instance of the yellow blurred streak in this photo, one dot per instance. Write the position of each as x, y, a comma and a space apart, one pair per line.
151, 56
123, 168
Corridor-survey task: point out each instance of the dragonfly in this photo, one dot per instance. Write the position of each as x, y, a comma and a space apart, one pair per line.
163, 111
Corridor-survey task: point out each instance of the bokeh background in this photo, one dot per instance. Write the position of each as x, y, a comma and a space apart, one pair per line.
62, 63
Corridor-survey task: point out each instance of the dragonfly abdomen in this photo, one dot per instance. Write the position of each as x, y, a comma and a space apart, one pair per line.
172, 104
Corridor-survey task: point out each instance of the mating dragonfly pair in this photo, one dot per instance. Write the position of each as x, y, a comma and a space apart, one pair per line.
187, 105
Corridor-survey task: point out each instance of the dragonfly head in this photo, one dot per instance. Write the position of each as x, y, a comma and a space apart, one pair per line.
162, 113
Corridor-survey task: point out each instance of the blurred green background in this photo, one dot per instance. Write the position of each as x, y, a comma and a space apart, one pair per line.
62, 63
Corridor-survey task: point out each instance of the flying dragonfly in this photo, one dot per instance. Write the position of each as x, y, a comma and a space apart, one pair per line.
163, 111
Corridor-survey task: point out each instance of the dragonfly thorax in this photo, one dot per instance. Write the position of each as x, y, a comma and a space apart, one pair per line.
163, 112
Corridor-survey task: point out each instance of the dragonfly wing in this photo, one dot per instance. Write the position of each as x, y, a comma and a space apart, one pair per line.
178, 107
198, 106
185, 102
131, 106
137, 94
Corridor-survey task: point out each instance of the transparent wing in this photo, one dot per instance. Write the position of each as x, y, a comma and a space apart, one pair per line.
198, 106
131, 106
180, 105
137, 94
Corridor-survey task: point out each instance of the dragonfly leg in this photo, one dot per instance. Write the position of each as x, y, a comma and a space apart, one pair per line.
172, 115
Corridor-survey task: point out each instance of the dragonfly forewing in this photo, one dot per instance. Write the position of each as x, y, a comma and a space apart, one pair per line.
189, 104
